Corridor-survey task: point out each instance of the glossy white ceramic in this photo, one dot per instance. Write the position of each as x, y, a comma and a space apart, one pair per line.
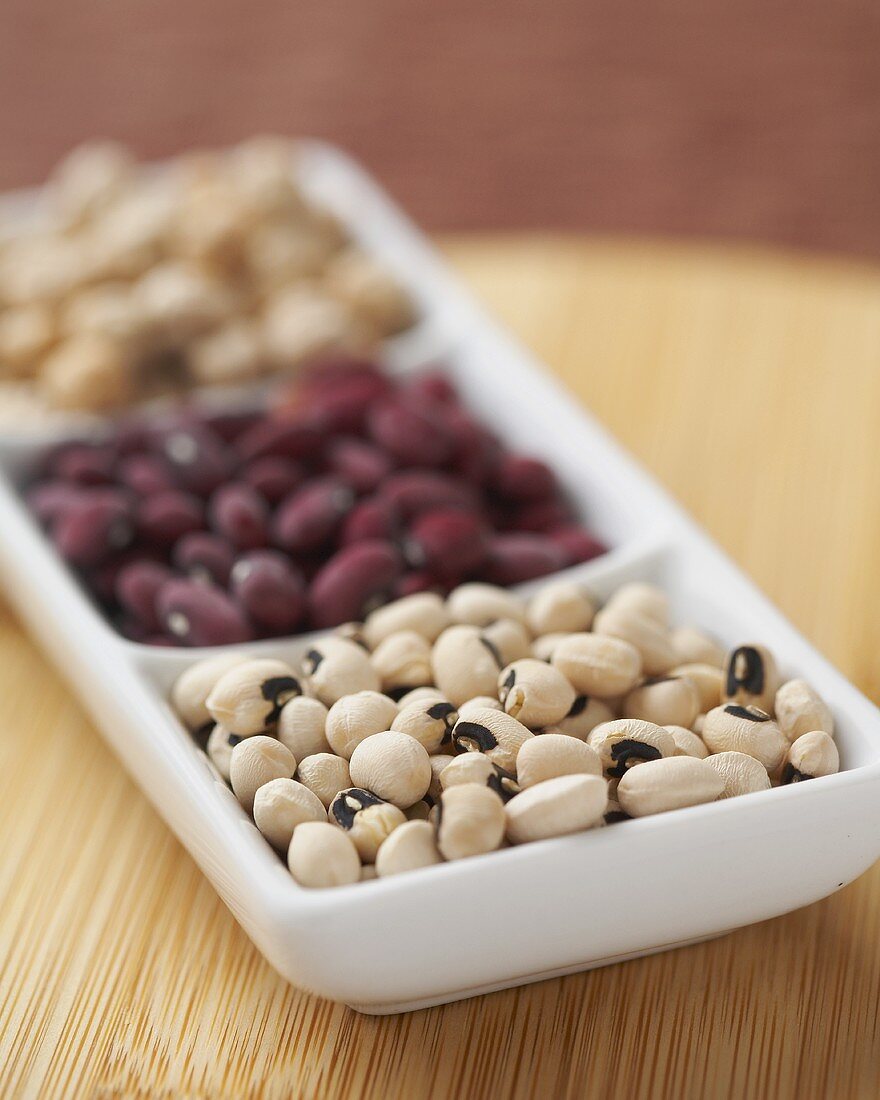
521, 914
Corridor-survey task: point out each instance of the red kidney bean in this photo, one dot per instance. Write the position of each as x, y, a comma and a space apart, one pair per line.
415, 491
274, 478
270, 590
477, 451
373, 518
165, 517
229, 424
577, 544
199, 614
343, 406
540, 516
94, 527
361, 465
240, 515
145, 474
417, 580
137, 588
352, 582
199, 460
522, 557
50, 499
83, 464
413, 436
308, 519
433, 386
449, 543
284, 435
204, 557
520, 477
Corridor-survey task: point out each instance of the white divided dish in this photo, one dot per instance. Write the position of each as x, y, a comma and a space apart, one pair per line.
521, 914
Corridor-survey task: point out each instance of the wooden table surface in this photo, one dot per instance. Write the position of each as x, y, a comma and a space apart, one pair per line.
750, 383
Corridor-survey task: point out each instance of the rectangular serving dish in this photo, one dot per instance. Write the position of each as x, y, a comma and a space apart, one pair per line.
521, 914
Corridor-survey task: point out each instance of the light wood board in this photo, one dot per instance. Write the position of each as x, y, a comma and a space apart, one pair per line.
749, 382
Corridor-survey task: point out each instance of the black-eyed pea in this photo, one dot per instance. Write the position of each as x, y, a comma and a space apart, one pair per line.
583, 717
535, 693
230, 354
664, 700
510, 638
423, 612
629, 742
255, 761
699, 724
301, 725
325, 775
219, 749
430, 724
597, 665
322, 855
355, 717
89, 179
556, 807
687, 743
282, 804
465, 664
649, 636
693, 647
365, 818
474, 767
810, 756
799, 710
742, 774
249, 697
393, 766
494, 733
410, 847
643, 599
479, 604
552, 755
544, 646
471, 821
337, 667
750, 677
668, 784
479, 702
561, 607
189, 695
735, 728
403, 661
707, 679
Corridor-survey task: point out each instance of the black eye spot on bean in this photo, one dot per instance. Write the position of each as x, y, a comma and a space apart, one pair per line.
470, 733
578, 706
744, 712
790, 774
493, 649
279, 690
625, 751
746, 671
442, 710
342, 809
312, 660
233, 739
509, 681
503, 784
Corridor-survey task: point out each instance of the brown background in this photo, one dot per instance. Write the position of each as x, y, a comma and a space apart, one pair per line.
746, 119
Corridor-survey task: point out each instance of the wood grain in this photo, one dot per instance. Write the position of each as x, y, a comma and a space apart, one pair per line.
749, 382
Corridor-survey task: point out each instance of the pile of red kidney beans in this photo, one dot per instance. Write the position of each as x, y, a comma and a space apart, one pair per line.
206, 528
